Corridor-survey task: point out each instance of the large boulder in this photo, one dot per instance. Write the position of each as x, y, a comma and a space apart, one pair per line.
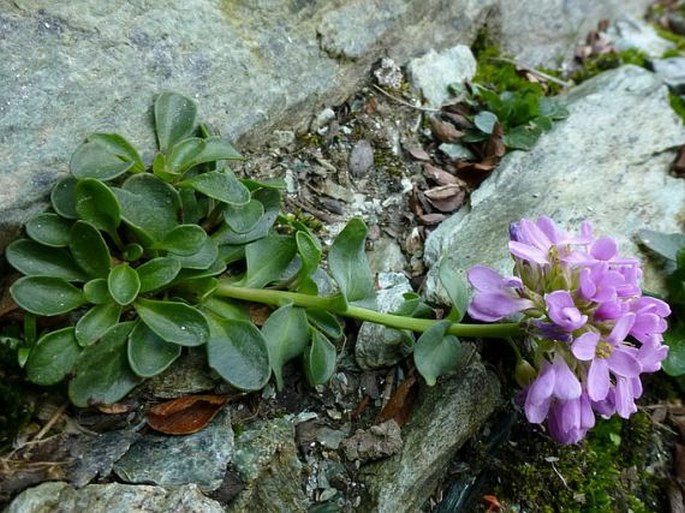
607, 163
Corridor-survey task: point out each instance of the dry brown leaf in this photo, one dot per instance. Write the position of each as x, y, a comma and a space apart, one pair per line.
185, 415
678, 166
494, 147
439, 176
431, 219
446, 198
418, 153
400, 405
444, 131
459, 120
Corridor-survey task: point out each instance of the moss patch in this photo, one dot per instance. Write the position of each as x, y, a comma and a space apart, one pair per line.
604, 473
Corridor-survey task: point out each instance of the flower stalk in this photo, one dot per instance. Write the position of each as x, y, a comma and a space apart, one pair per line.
338, 306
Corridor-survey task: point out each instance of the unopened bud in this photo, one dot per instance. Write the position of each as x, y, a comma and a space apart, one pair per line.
524, 373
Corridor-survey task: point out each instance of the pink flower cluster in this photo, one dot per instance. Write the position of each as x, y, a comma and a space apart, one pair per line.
592, 332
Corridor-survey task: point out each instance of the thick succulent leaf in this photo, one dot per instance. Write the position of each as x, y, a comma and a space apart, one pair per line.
436, 352
271, 200
97, 204
204, 259
348, 263
664, 244
63, 199
325, 322
457, 289
226, 309
267, 259
53, 357
49, 229
181, 155
34, 259
149, 354
216, 149
243, 218
220, 185
237, 351
188, 274
319, 359
102, 375
674, 338
46, 296
174, 322
123, 284
191, 152
150, 205
97, 292
96, 322
184, 239
485, 121
194, 209
174, 119
105, 156
89, 249
157, 273
309, 249
132, 252
286, 333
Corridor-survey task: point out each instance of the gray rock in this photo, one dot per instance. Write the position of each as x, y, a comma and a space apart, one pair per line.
386, 256
377, 442
95, 455
112, 498
377, 346
447, 415
590, 166
456, 151
361, 158
629, 32
434, 72
266, 460
72, 68
200, 458
672, 71
388, 74
544, 32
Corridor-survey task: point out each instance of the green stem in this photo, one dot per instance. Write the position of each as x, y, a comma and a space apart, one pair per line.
333, 304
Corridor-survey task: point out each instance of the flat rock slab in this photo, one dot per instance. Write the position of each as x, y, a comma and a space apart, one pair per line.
447, 415
112, 498
200, 458
71, 68
607, 163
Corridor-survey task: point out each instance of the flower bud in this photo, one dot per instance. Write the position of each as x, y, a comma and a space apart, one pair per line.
524, 373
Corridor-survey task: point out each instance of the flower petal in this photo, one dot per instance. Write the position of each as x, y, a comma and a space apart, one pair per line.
604, 248
585, 346
624, 400
598, 381
566, 384
526, 252
483, 278
622, 363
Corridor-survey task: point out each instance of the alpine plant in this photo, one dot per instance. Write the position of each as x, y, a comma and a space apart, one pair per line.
591, 332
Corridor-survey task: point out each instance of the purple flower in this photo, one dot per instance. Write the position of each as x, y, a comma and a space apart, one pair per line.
586, 321
495, 296
607, 356
562, 310
555, 381
569, 421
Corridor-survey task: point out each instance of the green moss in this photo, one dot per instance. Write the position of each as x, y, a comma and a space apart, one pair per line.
502, 76
589, 477
677, 104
